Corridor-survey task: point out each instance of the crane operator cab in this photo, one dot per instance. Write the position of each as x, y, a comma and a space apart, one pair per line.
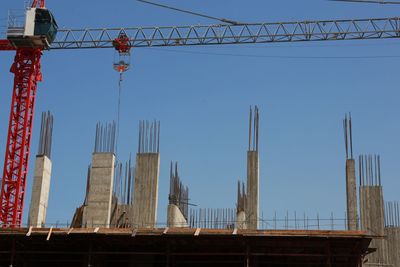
39, 29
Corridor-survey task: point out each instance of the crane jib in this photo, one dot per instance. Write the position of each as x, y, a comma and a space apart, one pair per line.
328, 30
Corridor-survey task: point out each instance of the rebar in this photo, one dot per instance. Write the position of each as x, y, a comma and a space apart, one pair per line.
87, 185
241, 197
370, 170
348, 135
392, 214
149, 137
178, 193
105, 139
254, 122
46, 135
212, 218
123, 182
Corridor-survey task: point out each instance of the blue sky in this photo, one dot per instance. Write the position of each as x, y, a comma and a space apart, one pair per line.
203, 100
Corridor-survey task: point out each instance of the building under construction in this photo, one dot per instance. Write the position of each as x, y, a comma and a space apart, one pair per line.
116, 223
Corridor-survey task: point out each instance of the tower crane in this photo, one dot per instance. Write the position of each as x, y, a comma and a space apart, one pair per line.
41, 33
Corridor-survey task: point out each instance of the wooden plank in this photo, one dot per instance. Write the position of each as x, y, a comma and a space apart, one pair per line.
49, 234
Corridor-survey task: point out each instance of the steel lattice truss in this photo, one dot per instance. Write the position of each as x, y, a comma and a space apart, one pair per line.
26, 69
232, 34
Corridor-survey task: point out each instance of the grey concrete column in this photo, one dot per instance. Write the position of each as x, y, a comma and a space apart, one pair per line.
97, 213
351, 192
393, 245
252, 205
372, 220
40, 192
175, 217
241, 220
145, 197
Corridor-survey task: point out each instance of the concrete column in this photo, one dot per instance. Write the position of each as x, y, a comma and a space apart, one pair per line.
351, 191
393, 245
252, 205
97, 213
175, 217
372, 220
145, 197
241, 220
40, 192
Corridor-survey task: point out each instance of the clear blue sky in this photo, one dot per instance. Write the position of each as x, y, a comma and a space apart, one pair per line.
203, 101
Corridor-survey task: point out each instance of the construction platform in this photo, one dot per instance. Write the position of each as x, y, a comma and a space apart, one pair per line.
102, 247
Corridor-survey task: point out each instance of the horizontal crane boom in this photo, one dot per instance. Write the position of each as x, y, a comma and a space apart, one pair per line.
232, 34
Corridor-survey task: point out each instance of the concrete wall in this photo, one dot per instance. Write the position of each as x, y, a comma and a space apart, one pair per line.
40, 192
97, 213
252, 205
351, 191
145, 196
372, 220
393, 245
175, 217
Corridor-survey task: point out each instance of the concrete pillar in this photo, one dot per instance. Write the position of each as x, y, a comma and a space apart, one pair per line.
120, 215
252, 205
241, 220
97, 213
393, 245
175, 217
40, 192
351, 192
145, 197
372, 220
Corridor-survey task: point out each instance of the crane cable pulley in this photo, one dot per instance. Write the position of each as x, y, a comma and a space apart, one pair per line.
39, 3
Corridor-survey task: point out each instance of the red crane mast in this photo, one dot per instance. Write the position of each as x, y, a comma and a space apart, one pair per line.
26, 70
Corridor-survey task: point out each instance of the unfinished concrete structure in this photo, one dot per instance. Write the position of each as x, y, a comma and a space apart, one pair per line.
97, 211
121, 211
145, 195
351, 184
241, 206
253, 172
42, 177
372, 207
178, 247
392, 233
178, 207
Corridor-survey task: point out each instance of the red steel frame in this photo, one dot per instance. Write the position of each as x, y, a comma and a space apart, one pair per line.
26, 69
5, 45
27, 73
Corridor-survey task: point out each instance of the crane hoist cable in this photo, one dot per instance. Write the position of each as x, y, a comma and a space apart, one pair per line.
118, 112
368, 1
121, 65
192, 13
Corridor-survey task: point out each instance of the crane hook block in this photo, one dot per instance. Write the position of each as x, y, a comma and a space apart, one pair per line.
123, 48
121, 43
